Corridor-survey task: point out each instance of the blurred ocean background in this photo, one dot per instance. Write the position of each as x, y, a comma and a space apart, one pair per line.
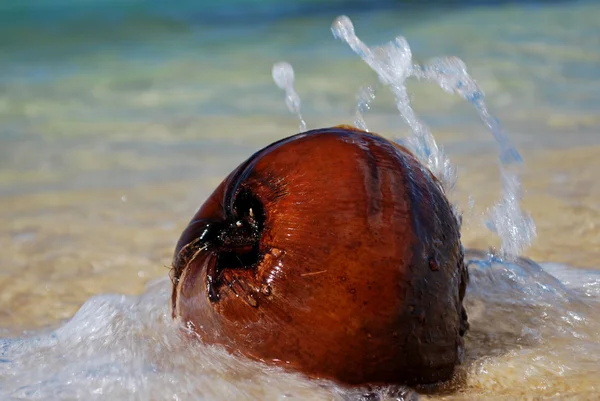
98, 76
118, 118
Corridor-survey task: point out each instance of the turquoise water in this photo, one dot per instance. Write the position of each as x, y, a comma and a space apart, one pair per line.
87, 81
119, 118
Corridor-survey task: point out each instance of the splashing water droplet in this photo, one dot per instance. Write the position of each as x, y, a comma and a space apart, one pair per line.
451, 75
342, 28
393, 64
283, 75
363, 103
515, 228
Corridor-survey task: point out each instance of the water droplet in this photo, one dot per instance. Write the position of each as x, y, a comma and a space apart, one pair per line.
265, 289
276, 252
364, 98
251, 301
342, 28
283, 75
515, 227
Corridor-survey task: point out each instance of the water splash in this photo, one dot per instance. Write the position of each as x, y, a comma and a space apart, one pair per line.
364, 98
393, 64
531, 330
283, 75
515, 227
450, 73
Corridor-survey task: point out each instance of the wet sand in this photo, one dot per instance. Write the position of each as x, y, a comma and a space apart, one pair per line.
60, 247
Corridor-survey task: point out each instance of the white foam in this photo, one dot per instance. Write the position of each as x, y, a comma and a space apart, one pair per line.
128, 348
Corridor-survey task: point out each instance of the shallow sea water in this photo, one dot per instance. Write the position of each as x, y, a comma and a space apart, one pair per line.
109, 143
